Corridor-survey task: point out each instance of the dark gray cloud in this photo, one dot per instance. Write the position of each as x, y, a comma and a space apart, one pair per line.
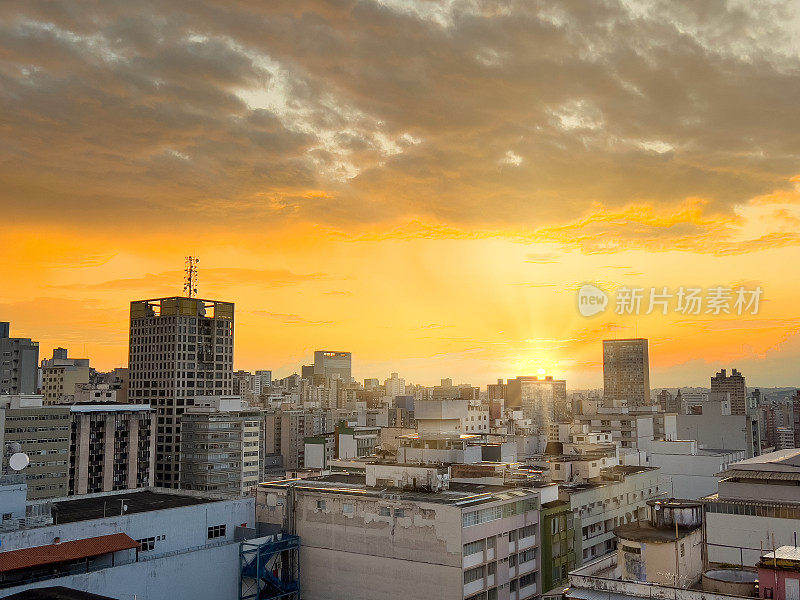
478, 114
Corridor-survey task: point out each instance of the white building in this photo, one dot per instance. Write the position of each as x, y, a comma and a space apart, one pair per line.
688, 471
149, 543
757, 506
713, 426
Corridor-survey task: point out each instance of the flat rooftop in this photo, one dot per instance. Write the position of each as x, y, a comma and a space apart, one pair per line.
98, 506
458, 493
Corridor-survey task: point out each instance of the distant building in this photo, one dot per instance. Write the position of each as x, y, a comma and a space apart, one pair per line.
626, 373
539, 399
713, 426
395, 386
669, 402
734, 385
180, 348
688, 471
333, 364
19, 363
62, 375
261, 382
796, 418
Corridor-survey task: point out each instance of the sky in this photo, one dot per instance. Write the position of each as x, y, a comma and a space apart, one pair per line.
424, 184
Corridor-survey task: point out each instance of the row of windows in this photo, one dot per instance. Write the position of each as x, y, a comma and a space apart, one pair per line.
754, 510
498, 512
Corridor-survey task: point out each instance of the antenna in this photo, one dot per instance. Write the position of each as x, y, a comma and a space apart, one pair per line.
190, 280
19, 461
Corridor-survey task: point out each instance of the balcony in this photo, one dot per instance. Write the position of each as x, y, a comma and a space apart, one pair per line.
527, 542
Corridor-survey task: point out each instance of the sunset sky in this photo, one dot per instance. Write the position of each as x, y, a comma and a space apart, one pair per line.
424, 184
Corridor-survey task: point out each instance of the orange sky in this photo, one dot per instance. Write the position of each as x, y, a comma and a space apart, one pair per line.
422, 184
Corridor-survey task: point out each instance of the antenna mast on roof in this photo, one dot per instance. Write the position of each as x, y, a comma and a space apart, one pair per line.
190, 280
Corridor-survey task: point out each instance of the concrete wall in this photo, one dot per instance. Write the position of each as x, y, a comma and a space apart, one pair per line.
748, 532
180, 528
656, 562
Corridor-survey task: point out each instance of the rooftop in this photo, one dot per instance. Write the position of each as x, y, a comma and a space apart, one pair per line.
644, 531
457, 494
26, 558
56, 593
97, 506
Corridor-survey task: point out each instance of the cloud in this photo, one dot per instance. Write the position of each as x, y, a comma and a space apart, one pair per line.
289, 319
278, 112
172, 281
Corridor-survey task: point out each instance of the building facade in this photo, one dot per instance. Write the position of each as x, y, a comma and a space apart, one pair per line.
626, 373
447, 540
19, 363
179, 348
221, 445
112, 447
734, 385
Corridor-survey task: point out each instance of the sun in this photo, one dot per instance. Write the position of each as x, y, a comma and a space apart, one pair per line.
541, 371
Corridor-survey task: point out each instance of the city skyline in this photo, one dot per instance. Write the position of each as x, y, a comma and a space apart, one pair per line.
434, 215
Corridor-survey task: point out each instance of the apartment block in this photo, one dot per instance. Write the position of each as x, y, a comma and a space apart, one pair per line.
112, 447
221, 443
600, 506
43, 433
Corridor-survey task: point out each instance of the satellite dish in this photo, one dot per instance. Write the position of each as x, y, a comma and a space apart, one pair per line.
19, 461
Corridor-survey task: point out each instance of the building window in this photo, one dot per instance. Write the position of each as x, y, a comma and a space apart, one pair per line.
473, 548
347, 508
527, 580
321, 504
385, 511
474, 574
217, 531
146, 544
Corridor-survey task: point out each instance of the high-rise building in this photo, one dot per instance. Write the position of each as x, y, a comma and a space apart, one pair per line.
19, 363
395, 386
112, 447
333, 364
539, 399
180, 348
734, 385
626, 373
261, 382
